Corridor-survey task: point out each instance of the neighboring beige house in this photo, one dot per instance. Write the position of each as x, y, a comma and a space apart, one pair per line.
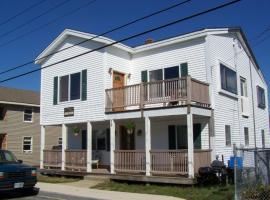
20, 124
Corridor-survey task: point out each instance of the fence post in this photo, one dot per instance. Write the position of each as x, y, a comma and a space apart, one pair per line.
235, 171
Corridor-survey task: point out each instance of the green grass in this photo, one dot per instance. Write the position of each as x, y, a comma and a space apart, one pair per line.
189, 192
55, 179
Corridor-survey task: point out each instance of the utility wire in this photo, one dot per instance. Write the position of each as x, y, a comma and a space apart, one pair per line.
47, 24
21, 12
127, 38
102, 34
34, 18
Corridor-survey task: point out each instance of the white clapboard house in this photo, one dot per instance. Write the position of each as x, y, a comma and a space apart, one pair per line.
164, 108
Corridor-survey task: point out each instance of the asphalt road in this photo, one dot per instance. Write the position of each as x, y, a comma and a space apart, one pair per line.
40, 196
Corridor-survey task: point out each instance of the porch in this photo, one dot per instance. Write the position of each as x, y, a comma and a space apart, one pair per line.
168, 146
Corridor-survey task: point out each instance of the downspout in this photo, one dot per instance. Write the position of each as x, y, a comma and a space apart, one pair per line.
253, 110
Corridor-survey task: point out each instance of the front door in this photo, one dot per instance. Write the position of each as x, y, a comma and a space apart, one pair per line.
3, 141
127, 141
118, 94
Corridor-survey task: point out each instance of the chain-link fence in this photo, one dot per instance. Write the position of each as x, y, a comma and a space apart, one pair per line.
252, 173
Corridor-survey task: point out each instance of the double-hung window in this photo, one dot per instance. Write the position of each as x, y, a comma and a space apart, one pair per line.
228, 79
64, 85
260, 97
228, 135
28, 115
70, 87
27, 144
243, 84
75, 86
246, 136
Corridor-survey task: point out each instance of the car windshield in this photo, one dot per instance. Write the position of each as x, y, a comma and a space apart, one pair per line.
7, 156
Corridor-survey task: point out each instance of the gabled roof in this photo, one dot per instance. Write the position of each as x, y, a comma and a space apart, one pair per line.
19, 97
133, 50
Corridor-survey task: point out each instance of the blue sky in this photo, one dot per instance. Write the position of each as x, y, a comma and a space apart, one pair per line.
251, 15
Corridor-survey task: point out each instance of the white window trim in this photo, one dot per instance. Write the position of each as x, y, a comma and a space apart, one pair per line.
31, 146
69, 82
219, 88
32, 119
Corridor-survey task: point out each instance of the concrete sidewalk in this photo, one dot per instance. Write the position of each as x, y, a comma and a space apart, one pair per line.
98, 194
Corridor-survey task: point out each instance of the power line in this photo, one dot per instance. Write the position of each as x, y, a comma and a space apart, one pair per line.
127, 38
102, 34
47, 24
34, 18
21, 12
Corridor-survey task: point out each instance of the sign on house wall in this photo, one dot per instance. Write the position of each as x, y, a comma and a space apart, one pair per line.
69, 112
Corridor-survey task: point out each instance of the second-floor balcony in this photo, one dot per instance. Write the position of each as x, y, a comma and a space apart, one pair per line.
184, 91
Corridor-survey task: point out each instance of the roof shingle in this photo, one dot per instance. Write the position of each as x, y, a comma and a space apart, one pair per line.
13, 95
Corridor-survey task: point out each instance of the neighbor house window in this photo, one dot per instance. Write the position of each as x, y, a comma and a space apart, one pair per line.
228, 135
64, 85
246, 136
60, 141
28, 115
260, 97
27, 144
228, 79
263, 139
2, 113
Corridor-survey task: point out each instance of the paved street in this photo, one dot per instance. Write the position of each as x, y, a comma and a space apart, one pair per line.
41, 196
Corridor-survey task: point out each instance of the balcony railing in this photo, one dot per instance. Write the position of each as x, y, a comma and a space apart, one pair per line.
180, 91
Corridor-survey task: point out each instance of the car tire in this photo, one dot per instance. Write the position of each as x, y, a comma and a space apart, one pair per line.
31, 191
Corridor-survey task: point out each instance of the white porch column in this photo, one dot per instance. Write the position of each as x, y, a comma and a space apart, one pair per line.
64, 145
42, 146
147, 146
89, 147
190, 145
112, 142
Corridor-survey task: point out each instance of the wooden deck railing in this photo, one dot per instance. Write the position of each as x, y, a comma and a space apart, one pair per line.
202, 158
132, 161
181, 91
52, 158
76, 159
176, 161
169, 161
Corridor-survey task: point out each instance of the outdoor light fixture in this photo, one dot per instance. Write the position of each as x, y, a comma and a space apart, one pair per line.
129, 75
110, 71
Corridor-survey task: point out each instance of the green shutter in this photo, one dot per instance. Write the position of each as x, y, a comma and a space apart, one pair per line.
144, 76
84, 85
197, 136
55, 90
184, 69
171, 134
